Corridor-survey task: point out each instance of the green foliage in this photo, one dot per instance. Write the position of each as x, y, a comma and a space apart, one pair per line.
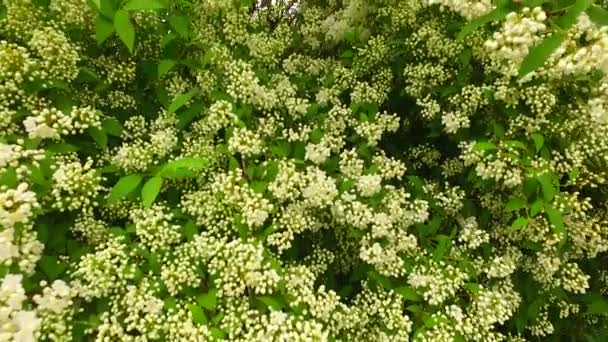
176, 170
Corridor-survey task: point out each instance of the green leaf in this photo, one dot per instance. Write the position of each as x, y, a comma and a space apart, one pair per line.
598, 306
536, 207
382, 280
208, 300
515, 204
9, 178
555, 219
181, 25
567, 20
497, 14
175, 168
164, 66
539, 54
137, 5
408, 293
316, 135
520, 222
598, 15
103, 29
181, 100
190, 230
348, 54
125, 186
281, 148
539, 141
533, 3
106, 7
124, 29
271, 302
443, 246
112, 127
546, 183
99, 136
198, 315
217, 333
150, 190
51, 266
484, 146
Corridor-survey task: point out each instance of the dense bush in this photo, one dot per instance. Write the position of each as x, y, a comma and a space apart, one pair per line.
315, 170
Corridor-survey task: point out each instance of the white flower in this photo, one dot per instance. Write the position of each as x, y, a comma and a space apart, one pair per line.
369, 185
27, 323
8, 250
317, 153
39, 130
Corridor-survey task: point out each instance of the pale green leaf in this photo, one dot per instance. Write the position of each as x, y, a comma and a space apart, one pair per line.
208, 300
568, 19
150, 190
99, 136
198, 315
539, 54
546, 184
598, 15
125, 186
181, 100
515, 204
165, 66
555, 219
539, 141
144, 5
520, 222
124, 29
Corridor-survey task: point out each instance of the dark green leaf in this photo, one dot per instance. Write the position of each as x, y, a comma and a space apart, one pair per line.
51, 266
150, 190
316, 135
567, 20
181, 100
598, 306
112, 127
125, 186
103, 29
190, 230
181, 25
443, 246
539, 54
99, 136
124, 29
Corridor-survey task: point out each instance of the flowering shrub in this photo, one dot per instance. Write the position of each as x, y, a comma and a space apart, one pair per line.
315, 170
